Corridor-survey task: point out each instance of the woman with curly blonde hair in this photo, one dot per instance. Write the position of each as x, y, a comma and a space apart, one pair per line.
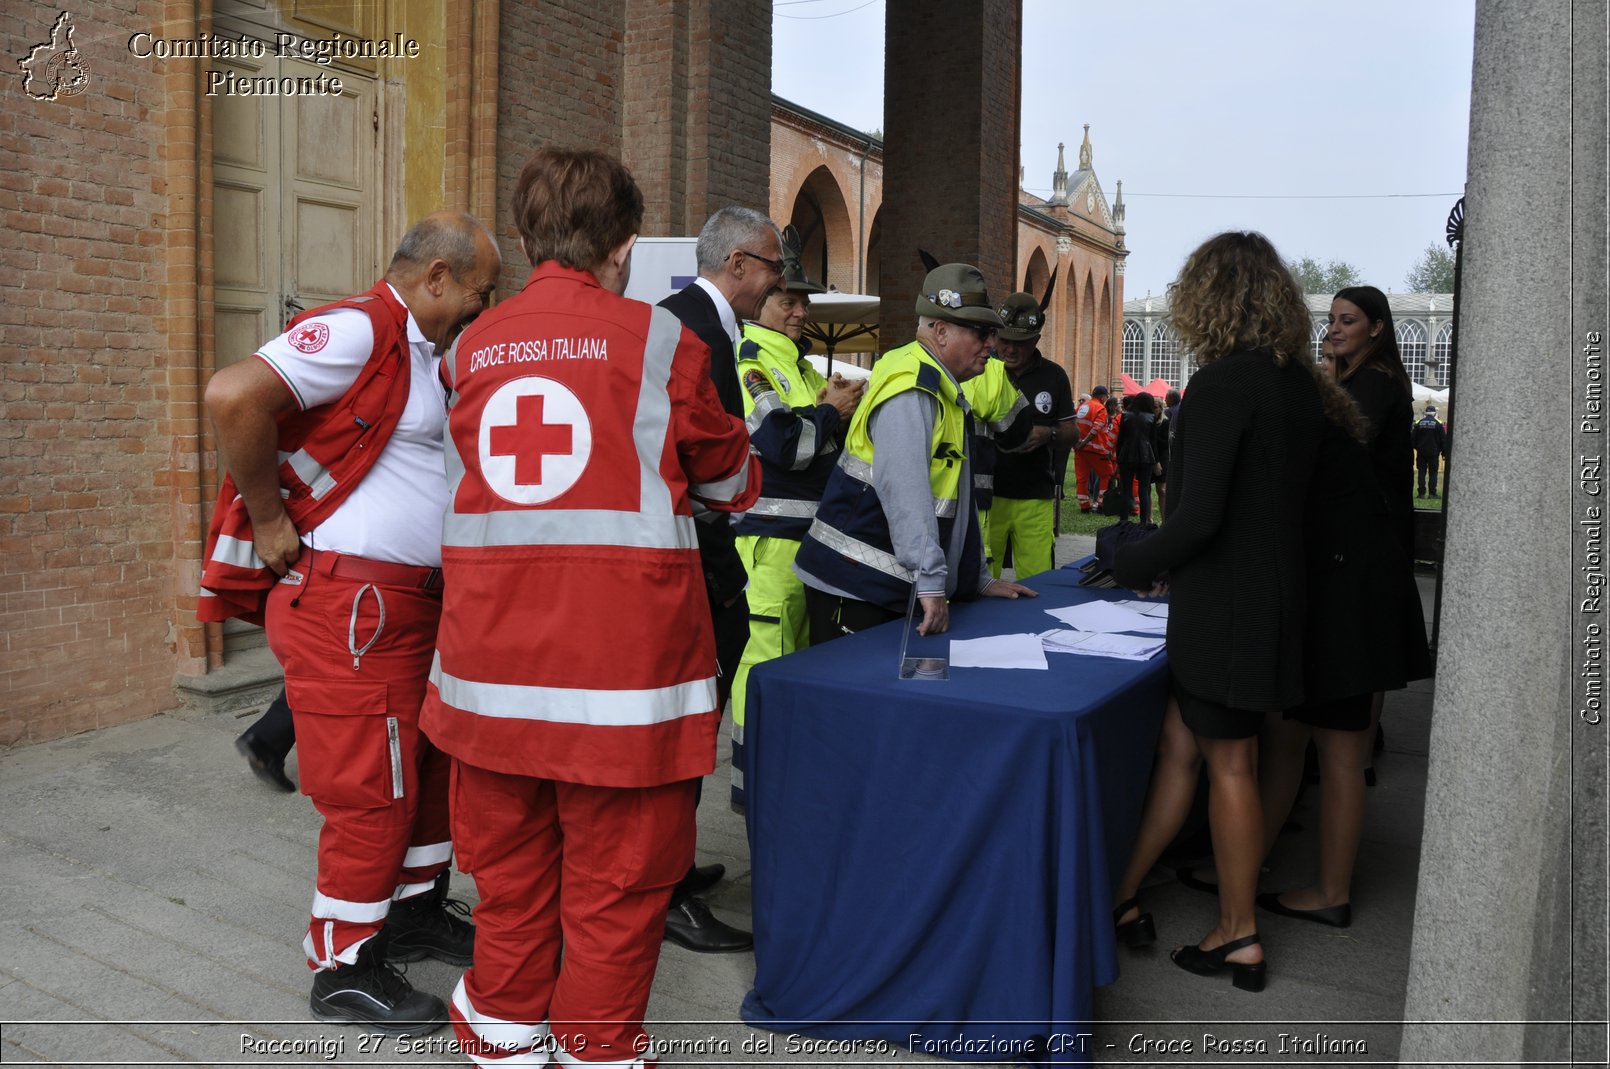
1231, 554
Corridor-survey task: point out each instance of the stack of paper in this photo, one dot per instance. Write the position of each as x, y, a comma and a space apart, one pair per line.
998, 651
1102, 644
1108, 617
1159, 609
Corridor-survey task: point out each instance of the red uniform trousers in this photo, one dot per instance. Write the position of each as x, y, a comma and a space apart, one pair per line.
1085, 464
356, 654
574, 883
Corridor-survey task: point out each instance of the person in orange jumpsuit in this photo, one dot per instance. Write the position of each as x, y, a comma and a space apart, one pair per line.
1091, 449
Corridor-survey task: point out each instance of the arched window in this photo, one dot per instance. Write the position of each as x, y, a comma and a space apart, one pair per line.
1441, 352
1134, 361
1166, 353
1412, 346
1321, 328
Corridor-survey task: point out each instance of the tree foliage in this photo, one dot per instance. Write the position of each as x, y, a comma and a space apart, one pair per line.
1324, 278
1432, 273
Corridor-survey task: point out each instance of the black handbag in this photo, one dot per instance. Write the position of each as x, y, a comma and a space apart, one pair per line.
1108, 539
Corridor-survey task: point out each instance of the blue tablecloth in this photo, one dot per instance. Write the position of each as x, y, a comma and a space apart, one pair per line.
935, 858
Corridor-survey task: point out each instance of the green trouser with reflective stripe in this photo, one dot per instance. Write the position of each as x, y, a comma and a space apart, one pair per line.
1027, 526
777, 623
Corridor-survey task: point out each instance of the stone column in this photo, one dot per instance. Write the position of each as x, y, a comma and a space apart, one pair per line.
1498, 900
950, 109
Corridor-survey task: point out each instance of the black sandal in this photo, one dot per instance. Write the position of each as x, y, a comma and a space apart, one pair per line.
1248, 976
1139, 932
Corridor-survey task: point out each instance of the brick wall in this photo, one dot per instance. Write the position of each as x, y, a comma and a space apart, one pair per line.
950, 152
807, 155
559, 75
729, 108
93, 475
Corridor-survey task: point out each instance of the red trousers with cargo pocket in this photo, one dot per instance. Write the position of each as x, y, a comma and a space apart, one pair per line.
356, 655
574, 883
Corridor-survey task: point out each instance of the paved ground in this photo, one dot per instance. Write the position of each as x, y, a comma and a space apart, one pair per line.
155, 892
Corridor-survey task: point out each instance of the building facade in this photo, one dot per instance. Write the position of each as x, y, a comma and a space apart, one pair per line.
827, 179
1424, 324
182, 176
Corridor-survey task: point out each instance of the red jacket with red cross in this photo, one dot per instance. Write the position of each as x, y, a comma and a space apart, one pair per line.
327, 451
575, 641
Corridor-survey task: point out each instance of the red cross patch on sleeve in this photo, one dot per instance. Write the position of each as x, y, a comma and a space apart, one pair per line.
309, 337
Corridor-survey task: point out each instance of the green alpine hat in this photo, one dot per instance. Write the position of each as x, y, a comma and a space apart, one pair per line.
794, 278
1022, 319
956, 292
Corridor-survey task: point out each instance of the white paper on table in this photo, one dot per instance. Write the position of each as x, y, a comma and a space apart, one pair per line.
999, 651
1104, 616
1102, 644
1156, 609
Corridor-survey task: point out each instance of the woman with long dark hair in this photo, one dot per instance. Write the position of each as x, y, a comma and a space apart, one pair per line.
1232, 550
1366, 630
1369, 367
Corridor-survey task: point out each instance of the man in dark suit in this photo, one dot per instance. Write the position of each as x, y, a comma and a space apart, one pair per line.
740, 262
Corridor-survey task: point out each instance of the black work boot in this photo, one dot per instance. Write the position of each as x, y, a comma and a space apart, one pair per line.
430, 925
376, 995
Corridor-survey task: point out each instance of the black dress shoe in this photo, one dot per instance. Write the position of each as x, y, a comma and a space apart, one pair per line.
1188, 877
690, 923
265, 764
1335, 916
700, 878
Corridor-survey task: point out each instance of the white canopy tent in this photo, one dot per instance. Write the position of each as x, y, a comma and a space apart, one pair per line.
843, 323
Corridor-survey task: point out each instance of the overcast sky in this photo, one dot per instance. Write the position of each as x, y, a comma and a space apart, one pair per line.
1245, 105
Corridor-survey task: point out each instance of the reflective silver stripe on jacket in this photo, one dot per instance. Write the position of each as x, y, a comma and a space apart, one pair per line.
765, 405
726, 489
861, 472
855, 549
654, 526
983, 482
236, 551
784, 506
856, 468
805, 448
574, 705
1011, 414
317, 477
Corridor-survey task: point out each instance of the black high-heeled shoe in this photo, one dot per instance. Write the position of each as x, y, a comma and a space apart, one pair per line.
1139, 932
1248, 976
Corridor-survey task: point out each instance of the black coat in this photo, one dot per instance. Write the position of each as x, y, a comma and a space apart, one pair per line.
724, 575
1135, 437
1232, 546
1366, 629
693, 306
1388, 414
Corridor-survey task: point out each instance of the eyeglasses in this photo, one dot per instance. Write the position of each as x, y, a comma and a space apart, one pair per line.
979, 330
775, 265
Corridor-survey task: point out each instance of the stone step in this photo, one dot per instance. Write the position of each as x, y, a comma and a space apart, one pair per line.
249, 680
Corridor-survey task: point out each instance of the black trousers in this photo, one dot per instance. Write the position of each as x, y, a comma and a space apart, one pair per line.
1426, 464
275, 728
831, 616
731, 623
1127, 473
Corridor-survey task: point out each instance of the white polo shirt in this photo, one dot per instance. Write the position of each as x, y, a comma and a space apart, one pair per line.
395, 513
